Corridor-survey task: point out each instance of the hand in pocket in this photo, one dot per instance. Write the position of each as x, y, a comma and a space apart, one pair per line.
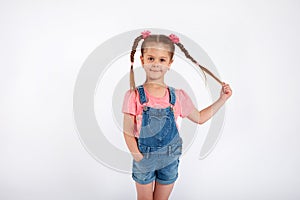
138, 157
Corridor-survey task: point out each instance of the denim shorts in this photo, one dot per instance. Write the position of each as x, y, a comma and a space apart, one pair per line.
159, 163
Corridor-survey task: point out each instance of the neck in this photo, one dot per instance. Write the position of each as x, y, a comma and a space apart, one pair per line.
155, 82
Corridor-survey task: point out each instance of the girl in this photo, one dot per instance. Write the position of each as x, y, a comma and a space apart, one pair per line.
150, 113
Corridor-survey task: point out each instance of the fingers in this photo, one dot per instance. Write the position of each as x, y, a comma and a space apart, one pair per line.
225, 85
226, 88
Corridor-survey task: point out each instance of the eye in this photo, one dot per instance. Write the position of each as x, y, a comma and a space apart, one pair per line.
150, 58
162, 60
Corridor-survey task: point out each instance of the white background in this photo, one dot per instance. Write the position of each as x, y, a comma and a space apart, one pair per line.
254, 45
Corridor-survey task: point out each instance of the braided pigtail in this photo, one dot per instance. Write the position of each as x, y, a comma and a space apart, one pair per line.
134, 46
175, 40
186, 53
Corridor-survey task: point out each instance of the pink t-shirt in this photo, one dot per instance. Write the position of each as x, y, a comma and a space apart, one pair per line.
131, 104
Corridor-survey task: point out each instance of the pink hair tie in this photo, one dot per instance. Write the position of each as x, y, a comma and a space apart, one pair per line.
145, 34
174, 38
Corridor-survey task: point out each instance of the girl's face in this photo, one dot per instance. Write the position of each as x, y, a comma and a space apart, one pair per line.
156, 62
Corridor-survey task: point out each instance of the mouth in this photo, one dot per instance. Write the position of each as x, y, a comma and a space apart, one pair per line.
155, 70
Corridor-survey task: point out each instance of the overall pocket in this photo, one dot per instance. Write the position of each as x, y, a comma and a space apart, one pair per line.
159, 125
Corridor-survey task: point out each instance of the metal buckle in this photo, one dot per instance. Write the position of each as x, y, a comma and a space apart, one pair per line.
172, 108
145, 108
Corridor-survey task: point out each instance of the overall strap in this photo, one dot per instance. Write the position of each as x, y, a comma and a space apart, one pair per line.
172, 95
143, 98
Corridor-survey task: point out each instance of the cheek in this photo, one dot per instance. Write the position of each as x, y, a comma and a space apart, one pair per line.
147, 66
165, 68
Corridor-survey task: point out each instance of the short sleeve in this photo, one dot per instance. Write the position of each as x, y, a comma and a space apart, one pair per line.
186, 104
129, 102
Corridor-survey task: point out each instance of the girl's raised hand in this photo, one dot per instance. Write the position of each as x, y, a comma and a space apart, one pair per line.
225, 91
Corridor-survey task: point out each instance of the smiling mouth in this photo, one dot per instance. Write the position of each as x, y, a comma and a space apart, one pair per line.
155, 70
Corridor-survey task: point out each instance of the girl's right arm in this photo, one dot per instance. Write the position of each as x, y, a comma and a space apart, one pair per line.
128, 130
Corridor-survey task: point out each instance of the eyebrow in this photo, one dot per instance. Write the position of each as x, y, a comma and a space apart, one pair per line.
154, 56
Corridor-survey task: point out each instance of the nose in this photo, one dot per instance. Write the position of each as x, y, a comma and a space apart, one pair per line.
156, 67
156, 63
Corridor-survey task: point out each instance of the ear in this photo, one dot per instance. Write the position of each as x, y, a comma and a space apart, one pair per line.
171, 61
142, 59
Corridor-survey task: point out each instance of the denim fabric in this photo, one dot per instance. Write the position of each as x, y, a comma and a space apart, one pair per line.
159, 142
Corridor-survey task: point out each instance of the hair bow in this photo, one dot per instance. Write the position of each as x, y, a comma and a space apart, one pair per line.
174, 38
145, 34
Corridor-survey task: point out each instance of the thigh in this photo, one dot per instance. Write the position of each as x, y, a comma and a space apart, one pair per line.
144, 191
162, 191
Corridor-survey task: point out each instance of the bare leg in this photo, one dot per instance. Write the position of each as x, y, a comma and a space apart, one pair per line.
162, 192
144, 191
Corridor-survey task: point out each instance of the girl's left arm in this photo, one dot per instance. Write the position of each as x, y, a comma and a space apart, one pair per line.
205, 114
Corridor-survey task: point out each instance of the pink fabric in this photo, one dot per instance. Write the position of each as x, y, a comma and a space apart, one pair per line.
174, 38
145, 34
131, 104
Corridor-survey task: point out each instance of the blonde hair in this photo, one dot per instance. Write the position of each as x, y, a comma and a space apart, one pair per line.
171, 47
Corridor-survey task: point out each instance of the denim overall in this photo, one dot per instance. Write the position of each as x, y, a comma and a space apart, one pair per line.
159, 142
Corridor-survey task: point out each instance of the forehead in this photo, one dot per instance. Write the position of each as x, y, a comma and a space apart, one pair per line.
157, 49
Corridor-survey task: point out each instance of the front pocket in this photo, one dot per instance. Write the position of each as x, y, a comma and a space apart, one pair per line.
140, 160
144, 150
